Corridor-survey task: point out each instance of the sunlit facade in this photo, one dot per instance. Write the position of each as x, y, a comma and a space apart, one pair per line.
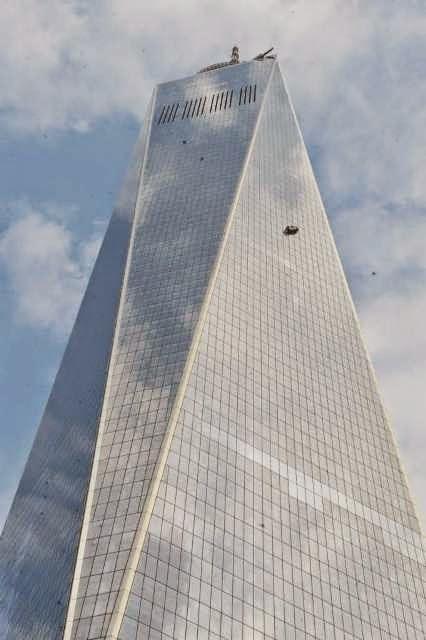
214, 461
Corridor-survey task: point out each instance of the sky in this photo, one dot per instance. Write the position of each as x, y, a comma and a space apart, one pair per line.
75, 79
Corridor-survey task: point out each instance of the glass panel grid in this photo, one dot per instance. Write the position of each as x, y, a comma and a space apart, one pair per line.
283, 511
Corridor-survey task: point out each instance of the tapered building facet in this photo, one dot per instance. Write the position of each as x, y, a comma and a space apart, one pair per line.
214, 460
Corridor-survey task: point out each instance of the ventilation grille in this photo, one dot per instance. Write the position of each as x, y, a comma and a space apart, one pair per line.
247, 94
168, 113
208, 104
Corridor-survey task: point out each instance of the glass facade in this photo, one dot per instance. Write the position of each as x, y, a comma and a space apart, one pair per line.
244, 482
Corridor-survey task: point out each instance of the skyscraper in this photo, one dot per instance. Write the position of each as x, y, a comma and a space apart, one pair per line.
214, 460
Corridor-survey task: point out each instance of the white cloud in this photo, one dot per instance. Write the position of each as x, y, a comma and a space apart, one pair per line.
47, 267
394, 330
387, 238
